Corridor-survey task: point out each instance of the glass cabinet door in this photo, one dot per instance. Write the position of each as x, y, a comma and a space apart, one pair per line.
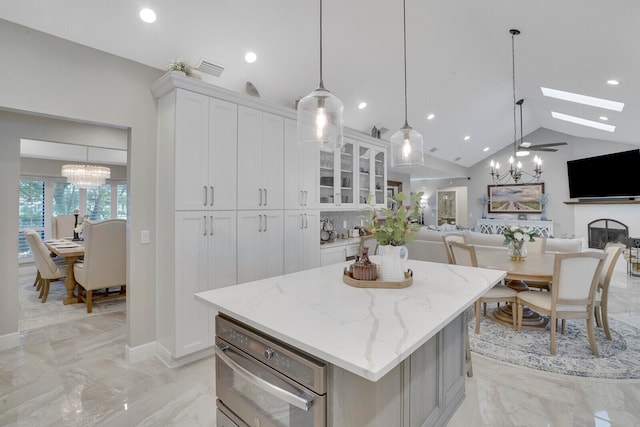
364, 173
347, 182
327, 174
380, 178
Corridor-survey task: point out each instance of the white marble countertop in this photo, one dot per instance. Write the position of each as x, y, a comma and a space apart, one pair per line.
340, 242
365, 331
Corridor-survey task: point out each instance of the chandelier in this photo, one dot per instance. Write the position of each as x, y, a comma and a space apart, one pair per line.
86, 176
515, 172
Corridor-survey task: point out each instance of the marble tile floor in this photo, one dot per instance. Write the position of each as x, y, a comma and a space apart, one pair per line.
74, 374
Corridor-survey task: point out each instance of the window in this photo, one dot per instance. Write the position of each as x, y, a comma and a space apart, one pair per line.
99, 203
66, 198
121, 201
30, 212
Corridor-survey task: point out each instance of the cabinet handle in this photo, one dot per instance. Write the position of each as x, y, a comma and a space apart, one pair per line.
259, 223
265, 197
301, 198
301, 222
260, 194
265, 223
205, 195
304, 203
306, 220
211, 233
205, 225
212, 194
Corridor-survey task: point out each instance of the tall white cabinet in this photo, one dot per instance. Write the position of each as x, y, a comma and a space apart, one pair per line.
300, 171
302, 237
260, 244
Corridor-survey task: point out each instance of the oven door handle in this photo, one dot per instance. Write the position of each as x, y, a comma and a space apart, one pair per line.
292, 399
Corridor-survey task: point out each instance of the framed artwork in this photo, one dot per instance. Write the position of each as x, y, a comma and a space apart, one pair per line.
516, 198
393, 188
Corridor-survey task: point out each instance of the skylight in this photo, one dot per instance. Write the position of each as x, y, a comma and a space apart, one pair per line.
583, 99
583, 122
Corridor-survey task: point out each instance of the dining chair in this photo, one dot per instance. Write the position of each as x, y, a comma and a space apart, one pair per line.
538, 246
613, 252
464, 254
575, 279
104, 264
48, 271
452, 237
62, 226
368, 242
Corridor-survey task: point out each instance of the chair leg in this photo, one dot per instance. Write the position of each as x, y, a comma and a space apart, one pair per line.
592, 337
44, 292
564, 324
519, 314
89, 301
514, 315
554, 321
37, 279
485, 308
468, 354
605, 321
478, 316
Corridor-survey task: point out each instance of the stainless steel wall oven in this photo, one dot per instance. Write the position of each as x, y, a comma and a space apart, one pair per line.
262, 382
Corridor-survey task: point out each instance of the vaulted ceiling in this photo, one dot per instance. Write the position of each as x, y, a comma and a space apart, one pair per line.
459, 57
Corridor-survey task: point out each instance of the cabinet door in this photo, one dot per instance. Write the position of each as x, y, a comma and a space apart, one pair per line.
249, 246
364, 162
272, 161
191, 276
272, 243
346, 182
250, 195
191, 150
222, 249
300, 171
223, 154
311, 240
293, 241
332, 255
380, 177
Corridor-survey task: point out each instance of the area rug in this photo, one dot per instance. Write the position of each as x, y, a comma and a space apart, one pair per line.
35, 314
618, 358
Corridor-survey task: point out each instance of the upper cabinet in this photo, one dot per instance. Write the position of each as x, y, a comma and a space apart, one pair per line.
205, 152
260, 159
372, 174
337, 179
300, 171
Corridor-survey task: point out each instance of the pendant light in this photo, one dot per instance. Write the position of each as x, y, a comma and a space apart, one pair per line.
320, 115
406, 144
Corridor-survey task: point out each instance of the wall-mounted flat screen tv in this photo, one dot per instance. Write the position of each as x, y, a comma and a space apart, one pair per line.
611, 175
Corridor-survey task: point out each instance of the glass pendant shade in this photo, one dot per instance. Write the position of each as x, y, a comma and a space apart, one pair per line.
320, 120
86, 176
407, 148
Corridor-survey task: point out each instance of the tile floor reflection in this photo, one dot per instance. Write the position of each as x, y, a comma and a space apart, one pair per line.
74, 374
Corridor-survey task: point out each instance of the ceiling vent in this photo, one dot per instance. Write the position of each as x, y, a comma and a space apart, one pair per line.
209, 67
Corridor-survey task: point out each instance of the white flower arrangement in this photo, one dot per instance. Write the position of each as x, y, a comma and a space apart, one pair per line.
518, 234
179, 65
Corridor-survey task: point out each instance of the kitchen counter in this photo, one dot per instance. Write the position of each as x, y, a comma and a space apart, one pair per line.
367, 332
340, 242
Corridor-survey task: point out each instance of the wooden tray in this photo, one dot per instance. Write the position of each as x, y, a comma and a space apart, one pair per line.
349, 280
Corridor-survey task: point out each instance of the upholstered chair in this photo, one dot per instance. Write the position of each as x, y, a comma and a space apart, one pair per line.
62, 226
538, 246
452, 237
48, 271
464, 254
612, 251
104, 263
573, 288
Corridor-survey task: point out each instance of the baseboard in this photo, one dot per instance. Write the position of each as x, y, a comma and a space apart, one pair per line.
9, 341
172, 362
141, 353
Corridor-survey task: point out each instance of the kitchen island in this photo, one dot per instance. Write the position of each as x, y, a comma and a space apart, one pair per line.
394, 356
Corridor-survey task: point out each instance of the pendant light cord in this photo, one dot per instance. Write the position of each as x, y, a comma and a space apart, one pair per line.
321, 82
404, 32
513, 71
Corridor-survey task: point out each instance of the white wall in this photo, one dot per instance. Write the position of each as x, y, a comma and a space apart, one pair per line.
54, 77
554, 175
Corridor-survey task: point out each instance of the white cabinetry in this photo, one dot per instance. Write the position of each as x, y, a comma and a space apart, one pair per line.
300, 171
301, 236
205, 258
260, 245
372, 173
337, 180
205, 153
260, 159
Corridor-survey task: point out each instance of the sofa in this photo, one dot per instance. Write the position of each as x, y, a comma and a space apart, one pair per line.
429, 246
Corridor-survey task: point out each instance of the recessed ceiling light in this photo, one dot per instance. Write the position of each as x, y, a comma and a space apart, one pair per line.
613, 82
362, 105
583, 122
148, 15
431, 116
583, 99
466, 138
250, 57
485, 149
604, 118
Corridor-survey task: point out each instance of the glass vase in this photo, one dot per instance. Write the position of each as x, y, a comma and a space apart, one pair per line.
517, 250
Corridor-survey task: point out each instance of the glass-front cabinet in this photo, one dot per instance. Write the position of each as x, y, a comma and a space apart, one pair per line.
337, 182
350, 175
372, 173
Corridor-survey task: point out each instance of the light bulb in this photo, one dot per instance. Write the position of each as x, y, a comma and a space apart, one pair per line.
321, 123
406, 149
519, 165
511, 160
497, 165
492, 164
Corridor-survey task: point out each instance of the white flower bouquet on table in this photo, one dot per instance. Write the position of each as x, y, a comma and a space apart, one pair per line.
516, 237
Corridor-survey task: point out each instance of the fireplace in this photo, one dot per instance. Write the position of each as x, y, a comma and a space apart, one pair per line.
603, 231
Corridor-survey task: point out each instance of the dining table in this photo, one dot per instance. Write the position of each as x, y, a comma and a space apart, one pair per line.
70, 251
535, 267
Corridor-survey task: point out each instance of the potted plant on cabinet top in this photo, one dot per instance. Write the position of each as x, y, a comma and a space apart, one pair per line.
179, 65
393, 232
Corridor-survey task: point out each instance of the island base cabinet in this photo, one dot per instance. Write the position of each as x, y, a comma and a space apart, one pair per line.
424, 390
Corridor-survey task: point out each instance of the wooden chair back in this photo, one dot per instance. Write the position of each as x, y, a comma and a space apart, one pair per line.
452, 237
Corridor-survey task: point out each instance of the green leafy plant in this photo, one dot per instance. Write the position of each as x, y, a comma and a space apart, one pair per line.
179, 65
395, 228
518, 234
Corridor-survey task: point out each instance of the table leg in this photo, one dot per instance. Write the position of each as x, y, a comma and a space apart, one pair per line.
70, 282
530, 319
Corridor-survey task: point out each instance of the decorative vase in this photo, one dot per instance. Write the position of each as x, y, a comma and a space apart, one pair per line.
517, 250
392, 260
75, 226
